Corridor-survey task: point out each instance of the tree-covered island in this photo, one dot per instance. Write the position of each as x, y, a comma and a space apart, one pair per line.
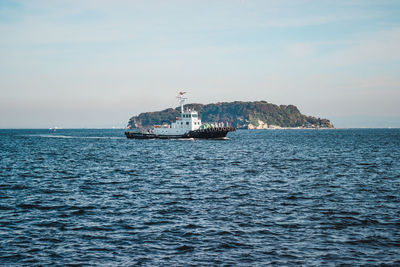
248, 115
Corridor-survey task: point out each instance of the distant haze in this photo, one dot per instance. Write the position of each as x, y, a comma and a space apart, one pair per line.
95, 64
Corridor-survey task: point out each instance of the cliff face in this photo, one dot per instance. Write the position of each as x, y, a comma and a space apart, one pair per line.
251, 115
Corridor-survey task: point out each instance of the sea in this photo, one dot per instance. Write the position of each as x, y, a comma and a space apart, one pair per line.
84, 197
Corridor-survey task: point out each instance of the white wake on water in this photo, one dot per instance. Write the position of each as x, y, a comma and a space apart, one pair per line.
74, 137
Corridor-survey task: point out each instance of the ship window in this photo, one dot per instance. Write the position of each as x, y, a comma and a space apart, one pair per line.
187, 123
194, 115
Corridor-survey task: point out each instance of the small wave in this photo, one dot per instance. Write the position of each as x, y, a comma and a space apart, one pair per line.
232, 245
251, 171
78, 212
163, 222
14, 187
184, 248
190, 234
51, 191
12, 257
361, 242
191, 226
128, 227
54, 224
5, 207
224, 233
27, 206
51, 240
82, 207
100, 249
56, 207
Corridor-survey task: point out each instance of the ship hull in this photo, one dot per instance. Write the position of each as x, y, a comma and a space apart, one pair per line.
210, 133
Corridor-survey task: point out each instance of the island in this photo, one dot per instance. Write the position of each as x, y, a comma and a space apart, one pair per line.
242, 115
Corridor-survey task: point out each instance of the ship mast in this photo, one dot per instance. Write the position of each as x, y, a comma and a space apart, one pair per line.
181, 100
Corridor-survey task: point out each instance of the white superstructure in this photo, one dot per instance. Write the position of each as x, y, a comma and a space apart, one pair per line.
188, 121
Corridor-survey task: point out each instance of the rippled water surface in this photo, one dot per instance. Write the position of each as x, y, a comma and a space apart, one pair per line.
92, 197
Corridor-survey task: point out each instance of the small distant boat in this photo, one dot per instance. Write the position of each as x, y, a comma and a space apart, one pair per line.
188, 125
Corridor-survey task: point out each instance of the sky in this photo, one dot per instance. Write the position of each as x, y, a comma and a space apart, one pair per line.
95, 63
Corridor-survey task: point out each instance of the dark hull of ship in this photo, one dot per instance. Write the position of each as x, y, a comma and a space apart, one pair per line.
210, 133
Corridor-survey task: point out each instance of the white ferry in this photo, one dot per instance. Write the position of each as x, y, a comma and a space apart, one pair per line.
187, 126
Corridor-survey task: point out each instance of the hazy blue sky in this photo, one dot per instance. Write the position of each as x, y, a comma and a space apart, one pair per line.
97, 63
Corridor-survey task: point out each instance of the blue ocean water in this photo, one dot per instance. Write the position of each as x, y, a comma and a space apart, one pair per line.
279, 197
